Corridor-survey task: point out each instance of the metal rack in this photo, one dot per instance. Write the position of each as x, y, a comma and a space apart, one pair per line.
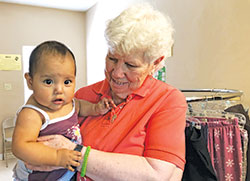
212, 94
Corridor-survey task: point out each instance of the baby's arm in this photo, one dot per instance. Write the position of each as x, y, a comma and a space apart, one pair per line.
26, 147
89, 109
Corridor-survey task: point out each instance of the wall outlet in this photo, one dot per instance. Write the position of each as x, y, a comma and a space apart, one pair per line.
7, 86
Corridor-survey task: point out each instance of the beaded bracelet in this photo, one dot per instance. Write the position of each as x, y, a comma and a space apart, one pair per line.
85, 160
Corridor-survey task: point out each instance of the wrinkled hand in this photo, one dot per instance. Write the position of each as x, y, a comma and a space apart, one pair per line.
57, 141
104, 105
41, 168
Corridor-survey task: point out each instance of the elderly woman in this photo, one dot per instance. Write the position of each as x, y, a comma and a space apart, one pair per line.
142, 138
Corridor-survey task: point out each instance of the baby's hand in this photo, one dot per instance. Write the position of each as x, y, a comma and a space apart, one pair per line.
68, 158
103, 106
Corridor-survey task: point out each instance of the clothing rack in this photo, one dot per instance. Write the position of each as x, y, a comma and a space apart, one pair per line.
212, 94
217, 111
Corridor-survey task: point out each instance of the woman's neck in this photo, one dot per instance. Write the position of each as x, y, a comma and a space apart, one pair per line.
117, 98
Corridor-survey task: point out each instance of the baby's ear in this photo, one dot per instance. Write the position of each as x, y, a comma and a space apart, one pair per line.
29, 80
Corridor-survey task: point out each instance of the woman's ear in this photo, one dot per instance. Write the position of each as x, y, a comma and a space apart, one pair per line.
158, 61
156, 65
28, 80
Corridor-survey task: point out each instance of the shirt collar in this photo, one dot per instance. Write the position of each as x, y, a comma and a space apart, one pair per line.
103, 89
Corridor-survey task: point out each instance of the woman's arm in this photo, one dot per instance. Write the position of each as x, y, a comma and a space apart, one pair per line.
26, 147
114, 166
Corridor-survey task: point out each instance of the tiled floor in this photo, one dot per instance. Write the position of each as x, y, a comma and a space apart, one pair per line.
6, 172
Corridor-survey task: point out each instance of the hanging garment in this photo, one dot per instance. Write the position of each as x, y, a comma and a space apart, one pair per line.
225, 148
198, 162
239, 108
244, 142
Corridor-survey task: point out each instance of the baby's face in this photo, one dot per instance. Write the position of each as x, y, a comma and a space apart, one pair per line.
53, 83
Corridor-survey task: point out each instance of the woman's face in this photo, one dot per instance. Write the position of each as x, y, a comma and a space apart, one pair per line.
126, 73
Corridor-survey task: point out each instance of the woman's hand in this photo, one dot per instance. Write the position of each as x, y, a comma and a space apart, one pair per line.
57, 141
67, 156
41, 168
66, 159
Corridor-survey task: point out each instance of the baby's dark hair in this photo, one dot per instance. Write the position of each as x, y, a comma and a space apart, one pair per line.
46, 48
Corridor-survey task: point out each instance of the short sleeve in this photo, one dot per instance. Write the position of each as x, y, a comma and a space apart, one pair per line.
165, 131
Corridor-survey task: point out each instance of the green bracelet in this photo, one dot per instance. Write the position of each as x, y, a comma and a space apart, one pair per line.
85, 160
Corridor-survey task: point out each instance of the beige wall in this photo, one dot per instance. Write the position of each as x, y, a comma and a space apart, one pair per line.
212, 44
26, 25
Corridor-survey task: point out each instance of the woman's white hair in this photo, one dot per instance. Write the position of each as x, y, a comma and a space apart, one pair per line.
140, 29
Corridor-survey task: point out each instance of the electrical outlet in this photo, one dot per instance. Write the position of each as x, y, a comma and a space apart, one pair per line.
7, 86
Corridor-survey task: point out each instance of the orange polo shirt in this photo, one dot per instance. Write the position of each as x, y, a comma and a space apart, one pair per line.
150, 123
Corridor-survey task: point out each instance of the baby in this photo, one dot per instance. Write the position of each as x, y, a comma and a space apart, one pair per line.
51, 109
